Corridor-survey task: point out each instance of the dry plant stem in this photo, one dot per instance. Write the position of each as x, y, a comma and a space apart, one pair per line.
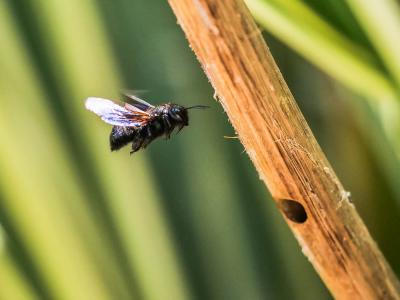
282, 147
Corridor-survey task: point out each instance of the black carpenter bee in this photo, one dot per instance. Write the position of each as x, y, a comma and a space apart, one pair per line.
139, 122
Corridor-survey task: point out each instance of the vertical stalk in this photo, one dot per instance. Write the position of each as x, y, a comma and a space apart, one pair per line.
283, 149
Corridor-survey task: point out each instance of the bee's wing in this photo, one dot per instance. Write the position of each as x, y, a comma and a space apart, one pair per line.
115, 114
137, 102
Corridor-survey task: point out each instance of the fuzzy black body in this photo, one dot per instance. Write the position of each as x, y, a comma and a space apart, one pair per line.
162, 120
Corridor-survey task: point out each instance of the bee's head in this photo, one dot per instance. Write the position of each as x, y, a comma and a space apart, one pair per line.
179, 114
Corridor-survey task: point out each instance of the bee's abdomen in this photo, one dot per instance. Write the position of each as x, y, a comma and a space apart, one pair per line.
120, 136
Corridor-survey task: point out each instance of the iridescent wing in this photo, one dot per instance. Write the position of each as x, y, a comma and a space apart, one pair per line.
115, 114
137, 102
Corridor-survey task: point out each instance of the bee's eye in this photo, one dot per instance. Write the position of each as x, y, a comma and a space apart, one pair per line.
175, 113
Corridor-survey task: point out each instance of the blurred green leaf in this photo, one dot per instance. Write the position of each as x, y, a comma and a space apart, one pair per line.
354, 64
381, 21
187, 219
303, 30
12, 282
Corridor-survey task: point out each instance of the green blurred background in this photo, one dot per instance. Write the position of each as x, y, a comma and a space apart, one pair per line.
188, 218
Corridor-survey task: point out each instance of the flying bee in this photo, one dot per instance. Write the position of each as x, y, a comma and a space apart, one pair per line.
139, 123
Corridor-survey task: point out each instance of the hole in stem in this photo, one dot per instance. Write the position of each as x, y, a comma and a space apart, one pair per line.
293, 210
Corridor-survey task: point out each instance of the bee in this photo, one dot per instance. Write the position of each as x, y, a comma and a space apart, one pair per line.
139, 122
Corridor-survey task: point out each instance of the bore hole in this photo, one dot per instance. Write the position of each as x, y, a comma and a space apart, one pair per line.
293, 210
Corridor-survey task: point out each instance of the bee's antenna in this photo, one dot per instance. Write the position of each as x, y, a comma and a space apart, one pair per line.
198, 106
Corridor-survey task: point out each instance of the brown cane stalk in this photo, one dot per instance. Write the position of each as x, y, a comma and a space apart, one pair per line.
273, 131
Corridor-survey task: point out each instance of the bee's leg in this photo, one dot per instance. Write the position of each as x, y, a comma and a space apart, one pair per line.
167, 122
149, 138
147, 141
137, 143
168, 127
168, 133
180, 127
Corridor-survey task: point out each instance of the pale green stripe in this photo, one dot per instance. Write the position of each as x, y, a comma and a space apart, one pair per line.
88, 70
12, 284
381, 21
31, 162
303, 30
